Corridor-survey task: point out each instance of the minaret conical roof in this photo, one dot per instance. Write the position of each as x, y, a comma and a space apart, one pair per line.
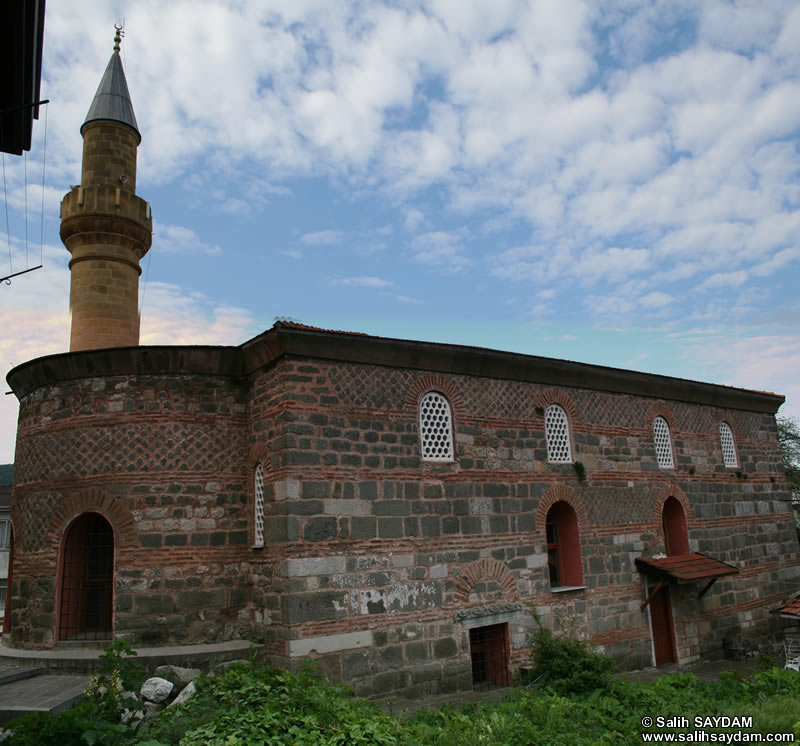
112, 102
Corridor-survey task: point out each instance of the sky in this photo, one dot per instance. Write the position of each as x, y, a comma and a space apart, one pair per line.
614, 182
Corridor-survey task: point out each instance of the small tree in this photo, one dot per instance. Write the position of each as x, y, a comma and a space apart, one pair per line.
789, 437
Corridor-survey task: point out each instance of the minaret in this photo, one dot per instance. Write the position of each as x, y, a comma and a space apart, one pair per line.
106, 227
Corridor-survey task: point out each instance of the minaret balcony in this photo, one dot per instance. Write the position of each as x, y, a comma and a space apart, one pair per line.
104, 210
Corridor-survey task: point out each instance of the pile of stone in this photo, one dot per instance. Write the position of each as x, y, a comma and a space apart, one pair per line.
169, 686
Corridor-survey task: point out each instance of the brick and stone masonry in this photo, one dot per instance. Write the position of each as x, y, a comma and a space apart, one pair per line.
105, 225
376, 562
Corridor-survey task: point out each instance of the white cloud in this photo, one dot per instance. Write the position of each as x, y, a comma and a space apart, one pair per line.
177, 239
171, 315
725, 279
362, 282
413, 219
409, 300
645, 150
656, 299
614, 263
442, 249
322, 238
764, 363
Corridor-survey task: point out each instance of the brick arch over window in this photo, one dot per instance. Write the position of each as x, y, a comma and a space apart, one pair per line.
555, 396
658, 409
486, 569
730, 418
259, 454
433, 382
667, 491
561, 493
93, 501
728, 436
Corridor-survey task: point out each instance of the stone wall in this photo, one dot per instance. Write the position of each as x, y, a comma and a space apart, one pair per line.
163, 458
375, 562
371, 546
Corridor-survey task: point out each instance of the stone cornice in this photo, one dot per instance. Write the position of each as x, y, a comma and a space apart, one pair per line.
300, 342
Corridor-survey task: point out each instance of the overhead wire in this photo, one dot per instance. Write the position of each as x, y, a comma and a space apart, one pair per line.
25, 192
44, 165
8, 224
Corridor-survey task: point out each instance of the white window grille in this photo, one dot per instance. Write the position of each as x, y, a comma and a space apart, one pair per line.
556, 430
728, 450
663, 443
5, 534
259, 507
435, 428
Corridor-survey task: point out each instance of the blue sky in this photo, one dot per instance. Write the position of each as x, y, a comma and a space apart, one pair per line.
612, 182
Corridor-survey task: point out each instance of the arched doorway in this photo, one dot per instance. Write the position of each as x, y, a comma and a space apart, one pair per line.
676, 541
87, 579
676, 534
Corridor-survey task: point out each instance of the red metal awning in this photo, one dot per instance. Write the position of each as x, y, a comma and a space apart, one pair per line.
789, 608
682, 569
685, 568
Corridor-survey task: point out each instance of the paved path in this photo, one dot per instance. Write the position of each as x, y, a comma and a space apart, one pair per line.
40, 693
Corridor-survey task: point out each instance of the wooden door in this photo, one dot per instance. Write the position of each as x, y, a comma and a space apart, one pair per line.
663, 632
87, 580
489, 649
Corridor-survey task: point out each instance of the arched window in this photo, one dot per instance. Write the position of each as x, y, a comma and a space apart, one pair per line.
563, 546
663, 443
728, 449
556, 430
258, 534
435, 428
676, 535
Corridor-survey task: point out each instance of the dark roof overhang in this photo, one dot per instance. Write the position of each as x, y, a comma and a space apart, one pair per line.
288, 340
682, 569
21, 40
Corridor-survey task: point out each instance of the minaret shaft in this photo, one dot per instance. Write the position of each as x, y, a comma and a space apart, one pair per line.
106, 227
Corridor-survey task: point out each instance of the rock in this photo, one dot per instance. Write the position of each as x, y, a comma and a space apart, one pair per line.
131, 709
186, 694
220, 668
156, 689
180, 677
151, 709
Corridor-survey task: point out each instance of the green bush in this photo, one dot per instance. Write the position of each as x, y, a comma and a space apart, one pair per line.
568, 665
252, 703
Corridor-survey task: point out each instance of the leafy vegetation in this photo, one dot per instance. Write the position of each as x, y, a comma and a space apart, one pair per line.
576, 701
252, 703
568, 665
789, 437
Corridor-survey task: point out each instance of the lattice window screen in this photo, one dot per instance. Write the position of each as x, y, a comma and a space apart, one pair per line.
259, 507
728, 451
556, 429
663, 443
435, 428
